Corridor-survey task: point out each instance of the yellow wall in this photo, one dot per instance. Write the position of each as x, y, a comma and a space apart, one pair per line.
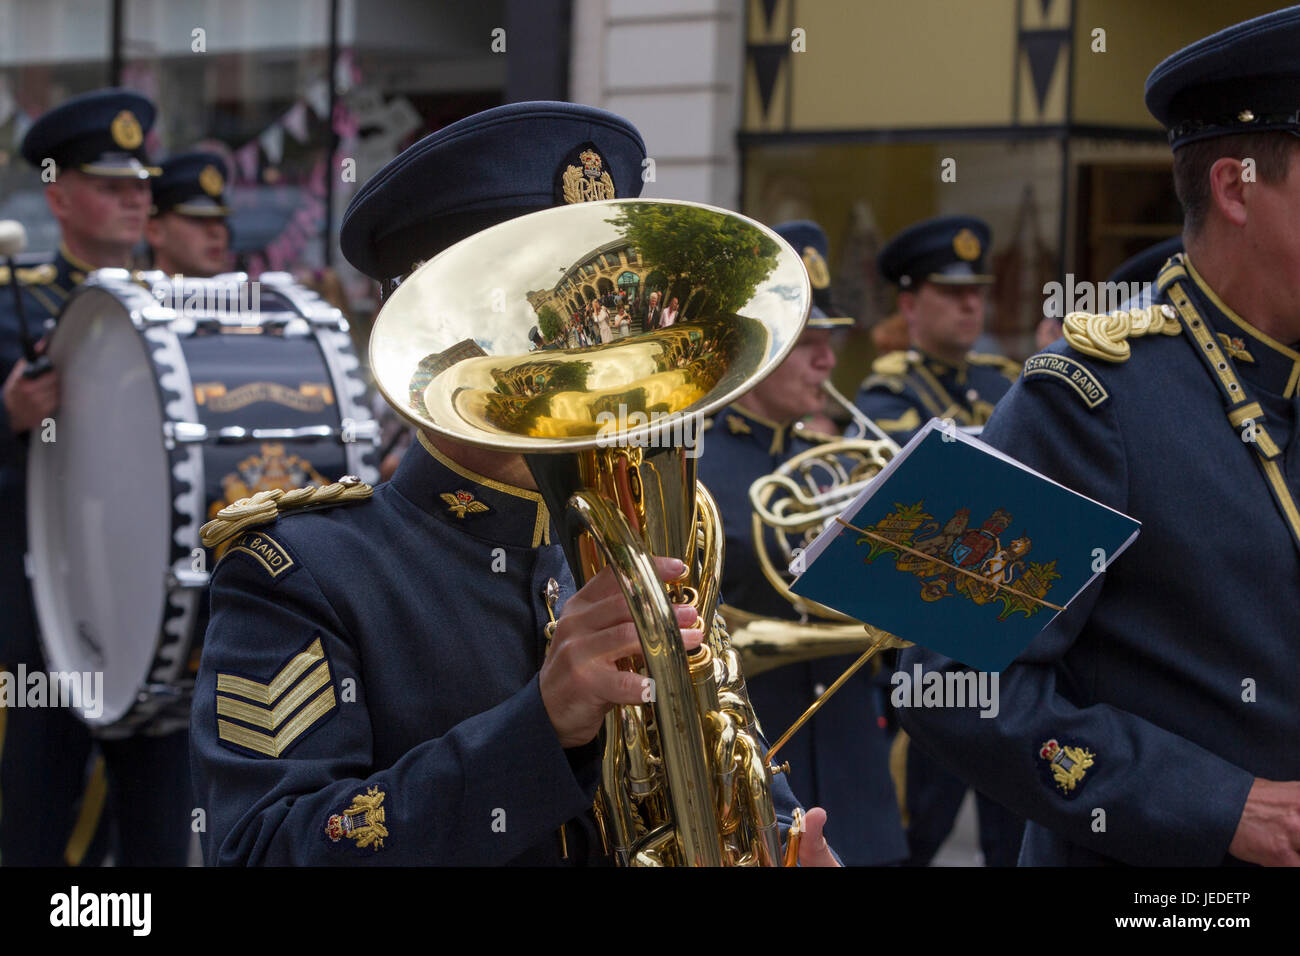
900, 64
1108, 86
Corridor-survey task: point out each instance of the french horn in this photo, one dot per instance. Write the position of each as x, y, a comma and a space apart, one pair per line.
607, 430
792, 506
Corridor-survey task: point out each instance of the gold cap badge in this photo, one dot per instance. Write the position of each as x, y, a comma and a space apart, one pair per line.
211, 181
126, 130
967, 245
587, 180
816, 266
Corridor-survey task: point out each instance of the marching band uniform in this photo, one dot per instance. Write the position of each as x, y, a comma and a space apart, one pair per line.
368, 691
840, 759
906, 389
1131, 730
45, 817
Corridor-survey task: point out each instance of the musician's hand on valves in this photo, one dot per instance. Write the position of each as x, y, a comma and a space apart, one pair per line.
29, 401
813, 848
579, 680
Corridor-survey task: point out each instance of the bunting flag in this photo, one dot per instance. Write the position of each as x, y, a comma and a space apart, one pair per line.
318, 97
295, 121
246, 159
272, 143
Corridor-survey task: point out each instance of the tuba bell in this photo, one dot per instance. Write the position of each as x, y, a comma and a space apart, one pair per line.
608, 431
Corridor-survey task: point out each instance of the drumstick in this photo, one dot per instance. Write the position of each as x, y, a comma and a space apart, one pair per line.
13, 240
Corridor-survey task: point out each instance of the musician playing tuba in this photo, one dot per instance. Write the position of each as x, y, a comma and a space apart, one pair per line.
840, 759
376, 683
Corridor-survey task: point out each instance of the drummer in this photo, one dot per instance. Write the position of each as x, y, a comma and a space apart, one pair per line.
90, 151
188, 229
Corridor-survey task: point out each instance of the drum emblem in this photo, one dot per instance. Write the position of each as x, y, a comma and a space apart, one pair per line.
273, 468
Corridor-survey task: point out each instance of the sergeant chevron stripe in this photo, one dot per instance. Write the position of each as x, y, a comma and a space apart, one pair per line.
278, 705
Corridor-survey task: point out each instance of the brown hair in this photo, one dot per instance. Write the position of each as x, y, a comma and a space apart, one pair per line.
1271, 151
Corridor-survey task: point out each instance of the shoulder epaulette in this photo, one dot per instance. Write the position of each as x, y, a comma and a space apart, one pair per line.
1008, 367
265, 506
1106, 336
892, 363
43, 274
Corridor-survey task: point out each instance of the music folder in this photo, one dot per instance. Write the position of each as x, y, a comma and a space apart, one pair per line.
962, 549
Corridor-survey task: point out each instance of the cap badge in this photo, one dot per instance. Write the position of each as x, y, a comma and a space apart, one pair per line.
816, 266
967, 245
126, 130
586, 180
211, 181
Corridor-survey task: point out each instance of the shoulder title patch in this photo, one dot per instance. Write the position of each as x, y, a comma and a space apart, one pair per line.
273, 716
1065, 766
1075, 375
266, 550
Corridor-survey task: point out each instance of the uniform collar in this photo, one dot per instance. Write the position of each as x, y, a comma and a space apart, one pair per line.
72, 270
1259, 358
946, 372
472, 503
769, 435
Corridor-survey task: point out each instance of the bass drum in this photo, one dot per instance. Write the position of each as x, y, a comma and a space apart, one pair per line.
178, 397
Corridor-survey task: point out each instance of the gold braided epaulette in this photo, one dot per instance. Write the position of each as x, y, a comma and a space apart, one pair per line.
1106, 336
43, 274
265, 506
892, 363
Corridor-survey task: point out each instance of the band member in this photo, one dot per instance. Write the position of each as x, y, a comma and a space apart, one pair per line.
839, 759
939, 269
1143, 726
188, 229
92, 147
375, 684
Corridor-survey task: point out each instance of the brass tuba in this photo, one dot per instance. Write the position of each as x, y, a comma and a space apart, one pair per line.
607, 426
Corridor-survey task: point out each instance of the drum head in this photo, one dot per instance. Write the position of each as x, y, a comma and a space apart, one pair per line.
99, 505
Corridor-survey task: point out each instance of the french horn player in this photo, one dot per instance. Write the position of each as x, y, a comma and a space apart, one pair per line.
840, 758
447, 669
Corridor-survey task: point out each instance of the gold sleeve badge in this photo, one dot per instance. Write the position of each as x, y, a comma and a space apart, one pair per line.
362, 822
1066, 765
